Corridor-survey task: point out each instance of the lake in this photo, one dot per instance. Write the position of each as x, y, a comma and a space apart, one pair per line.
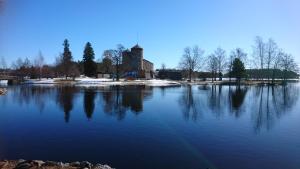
140, 127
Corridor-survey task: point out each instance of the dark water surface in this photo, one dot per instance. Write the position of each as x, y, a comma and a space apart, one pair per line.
140, 127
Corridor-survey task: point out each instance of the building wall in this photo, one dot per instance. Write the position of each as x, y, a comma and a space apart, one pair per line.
133, 61
148, 66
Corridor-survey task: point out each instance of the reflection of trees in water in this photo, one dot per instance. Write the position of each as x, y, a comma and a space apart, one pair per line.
119, 99
216, 100
64, 98
37, 95
272, 103
89, 102
189, 104
211, 99
236, 99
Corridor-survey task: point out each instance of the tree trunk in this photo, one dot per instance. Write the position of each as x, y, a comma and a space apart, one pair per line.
117, 71
273, 76
190, 75
268, 71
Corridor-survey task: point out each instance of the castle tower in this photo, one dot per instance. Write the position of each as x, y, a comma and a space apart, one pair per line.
138, 53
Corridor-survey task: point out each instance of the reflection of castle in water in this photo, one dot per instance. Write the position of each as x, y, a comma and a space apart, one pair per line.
265, 104
117, 100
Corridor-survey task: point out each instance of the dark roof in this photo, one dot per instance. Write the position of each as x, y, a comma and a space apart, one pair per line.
148, 61
137, 47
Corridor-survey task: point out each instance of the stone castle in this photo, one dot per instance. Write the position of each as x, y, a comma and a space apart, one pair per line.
135, 65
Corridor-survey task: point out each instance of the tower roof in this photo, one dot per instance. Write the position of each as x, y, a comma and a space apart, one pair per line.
137, 47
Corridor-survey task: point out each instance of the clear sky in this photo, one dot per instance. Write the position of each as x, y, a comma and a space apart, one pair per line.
162, 27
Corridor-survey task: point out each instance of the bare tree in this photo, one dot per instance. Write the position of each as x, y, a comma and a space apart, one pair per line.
58, 65
212, 63
17, 64
220, 55
163, 66
39, 63
106, 65
276, 63
26, 63
75, 70
271, 52
190, 60
116, 57
259, 52
287, 64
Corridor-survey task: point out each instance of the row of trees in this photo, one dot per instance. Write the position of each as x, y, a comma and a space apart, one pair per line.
266, 57
65, 66
267, 61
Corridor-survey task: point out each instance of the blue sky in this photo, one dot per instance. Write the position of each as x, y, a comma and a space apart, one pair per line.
164, 27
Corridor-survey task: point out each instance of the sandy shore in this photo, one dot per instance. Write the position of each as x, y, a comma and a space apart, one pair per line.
35, 164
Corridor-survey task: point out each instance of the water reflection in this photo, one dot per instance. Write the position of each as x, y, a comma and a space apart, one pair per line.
118, 100
236, 99
272, 103
89, 102
65, 97
266, 105
194, 103
189, 104
216, 100
38, 95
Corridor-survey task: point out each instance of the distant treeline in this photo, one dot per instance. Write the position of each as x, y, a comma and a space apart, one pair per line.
272, 73
258, 74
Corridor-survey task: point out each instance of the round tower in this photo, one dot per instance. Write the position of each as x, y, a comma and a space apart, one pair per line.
138, 53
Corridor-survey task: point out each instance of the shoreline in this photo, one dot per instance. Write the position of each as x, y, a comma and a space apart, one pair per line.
91, 82
34, 164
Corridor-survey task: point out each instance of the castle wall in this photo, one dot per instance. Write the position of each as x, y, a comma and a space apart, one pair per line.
133, 61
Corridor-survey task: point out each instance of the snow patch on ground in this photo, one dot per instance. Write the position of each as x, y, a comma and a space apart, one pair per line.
3, 82
90, 82
42, 81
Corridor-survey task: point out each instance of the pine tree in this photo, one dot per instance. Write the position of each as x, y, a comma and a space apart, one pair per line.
67, 59
238, 69
89, 65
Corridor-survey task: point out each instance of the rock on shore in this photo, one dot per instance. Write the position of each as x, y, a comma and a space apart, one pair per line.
35, 164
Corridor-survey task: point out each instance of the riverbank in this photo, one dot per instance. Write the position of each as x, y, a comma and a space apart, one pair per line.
86, 82
244, 82
34, 164
92, 82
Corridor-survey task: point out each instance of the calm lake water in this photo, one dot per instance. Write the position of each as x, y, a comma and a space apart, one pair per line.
139, 127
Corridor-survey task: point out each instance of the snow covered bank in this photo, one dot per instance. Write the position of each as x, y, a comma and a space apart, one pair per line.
3, 82
42, 81
86, 82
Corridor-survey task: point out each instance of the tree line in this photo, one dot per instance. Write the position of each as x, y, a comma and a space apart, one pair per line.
65, 66
267, 62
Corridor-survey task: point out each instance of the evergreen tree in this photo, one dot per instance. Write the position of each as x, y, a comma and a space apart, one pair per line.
67, 59
238, 69
89, 65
